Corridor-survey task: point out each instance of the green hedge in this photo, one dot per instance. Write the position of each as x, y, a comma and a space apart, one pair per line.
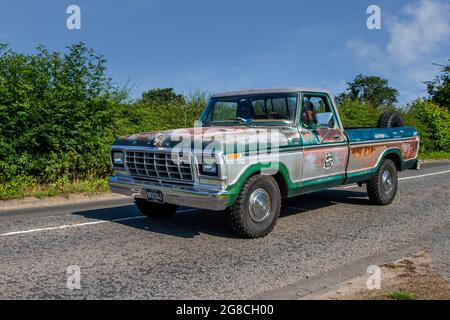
143, 115
355, 113
56, 114
433, 123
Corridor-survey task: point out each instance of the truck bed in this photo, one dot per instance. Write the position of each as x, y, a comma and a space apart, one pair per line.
361, 135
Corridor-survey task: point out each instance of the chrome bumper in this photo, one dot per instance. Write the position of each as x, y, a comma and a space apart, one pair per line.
201, 199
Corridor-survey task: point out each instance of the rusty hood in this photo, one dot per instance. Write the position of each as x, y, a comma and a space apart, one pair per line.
226, 138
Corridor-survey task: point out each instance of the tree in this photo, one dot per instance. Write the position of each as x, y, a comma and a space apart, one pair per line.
370, 89
439, 88
162, 96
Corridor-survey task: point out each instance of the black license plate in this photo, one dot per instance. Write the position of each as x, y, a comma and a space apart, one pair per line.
155, 196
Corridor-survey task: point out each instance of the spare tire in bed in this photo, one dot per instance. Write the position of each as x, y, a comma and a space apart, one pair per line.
390, 120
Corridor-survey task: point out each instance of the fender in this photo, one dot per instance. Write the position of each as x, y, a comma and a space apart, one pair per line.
257, 168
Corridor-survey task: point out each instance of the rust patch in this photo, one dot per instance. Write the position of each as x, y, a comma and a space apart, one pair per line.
364, 153
409, 149
366, 156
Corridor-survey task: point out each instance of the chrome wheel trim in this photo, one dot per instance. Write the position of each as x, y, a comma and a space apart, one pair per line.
259, 205
387, 181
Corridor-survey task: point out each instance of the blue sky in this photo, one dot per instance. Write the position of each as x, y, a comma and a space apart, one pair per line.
226, 45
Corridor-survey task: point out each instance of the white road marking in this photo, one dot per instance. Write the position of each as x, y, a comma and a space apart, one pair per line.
80, 224
186, 210
70, 226
400, 179
425, 175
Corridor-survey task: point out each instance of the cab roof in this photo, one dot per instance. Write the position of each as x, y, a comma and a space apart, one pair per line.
269, 91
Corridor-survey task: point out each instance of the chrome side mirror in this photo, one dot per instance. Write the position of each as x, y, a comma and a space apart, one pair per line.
324, 118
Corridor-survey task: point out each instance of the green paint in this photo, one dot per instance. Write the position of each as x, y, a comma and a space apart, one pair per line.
318, 184
235, 189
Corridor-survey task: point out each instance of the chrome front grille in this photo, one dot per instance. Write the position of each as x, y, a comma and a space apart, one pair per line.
159, 165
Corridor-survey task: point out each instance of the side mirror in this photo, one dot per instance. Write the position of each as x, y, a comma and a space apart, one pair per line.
324, 118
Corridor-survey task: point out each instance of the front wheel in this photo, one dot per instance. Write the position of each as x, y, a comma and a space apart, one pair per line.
155, 210
256, 209
382, 188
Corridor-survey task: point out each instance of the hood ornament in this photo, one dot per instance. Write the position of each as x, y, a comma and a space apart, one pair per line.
158, 141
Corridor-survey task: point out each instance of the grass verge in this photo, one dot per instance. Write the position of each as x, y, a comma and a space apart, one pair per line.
401, 295
435, 155
27, 187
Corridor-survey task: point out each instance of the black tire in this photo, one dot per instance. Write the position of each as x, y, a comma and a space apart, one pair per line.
243, 219
379, 190
155, 210
390, 120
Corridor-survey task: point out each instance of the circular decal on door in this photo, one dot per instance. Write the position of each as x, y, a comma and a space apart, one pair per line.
328, 161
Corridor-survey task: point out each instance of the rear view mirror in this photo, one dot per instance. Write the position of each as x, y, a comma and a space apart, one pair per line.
324, 118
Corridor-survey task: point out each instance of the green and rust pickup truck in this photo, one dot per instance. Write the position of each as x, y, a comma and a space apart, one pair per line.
251, 149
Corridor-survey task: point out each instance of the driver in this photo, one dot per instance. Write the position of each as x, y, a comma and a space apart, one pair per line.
308, 113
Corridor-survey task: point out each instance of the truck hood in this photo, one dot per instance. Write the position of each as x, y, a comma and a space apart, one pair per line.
221, 137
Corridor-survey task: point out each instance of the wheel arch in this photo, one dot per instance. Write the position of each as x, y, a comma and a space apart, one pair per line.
281, 176
395, 156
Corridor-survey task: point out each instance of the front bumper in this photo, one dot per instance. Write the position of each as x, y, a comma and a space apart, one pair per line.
196, 198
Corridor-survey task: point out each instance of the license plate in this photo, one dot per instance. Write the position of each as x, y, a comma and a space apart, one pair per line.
155, 196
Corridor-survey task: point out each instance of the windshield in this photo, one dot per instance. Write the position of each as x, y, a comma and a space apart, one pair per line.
275, 109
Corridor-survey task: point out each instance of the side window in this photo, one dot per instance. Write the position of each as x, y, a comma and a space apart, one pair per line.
320, 105
311, 106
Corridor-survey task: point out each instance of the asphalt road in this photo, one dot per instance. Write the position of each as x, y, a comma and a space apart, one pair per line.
321, 238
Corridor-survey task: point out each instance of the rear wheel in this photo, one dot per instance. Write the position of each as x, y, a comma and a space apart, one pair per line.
255, 212
382, 188
155, 210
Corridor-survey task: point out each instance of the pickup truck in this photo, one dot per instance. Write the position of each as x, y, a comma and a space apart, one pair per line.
252, 149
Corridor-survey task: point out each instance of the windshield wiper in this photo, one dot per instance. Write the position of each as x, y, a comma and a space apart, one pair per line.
244, 121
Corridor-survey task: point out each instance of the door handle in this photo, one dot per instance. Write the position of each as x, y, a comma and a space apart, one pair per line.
337, 137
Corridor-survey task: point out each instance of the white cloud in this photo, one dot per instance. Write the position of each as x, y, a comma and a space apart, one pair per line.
370, 53
426, 27
416, 39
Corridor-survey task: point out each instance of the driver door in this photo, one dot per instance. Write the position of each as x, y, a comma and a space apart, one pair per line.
325, 150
